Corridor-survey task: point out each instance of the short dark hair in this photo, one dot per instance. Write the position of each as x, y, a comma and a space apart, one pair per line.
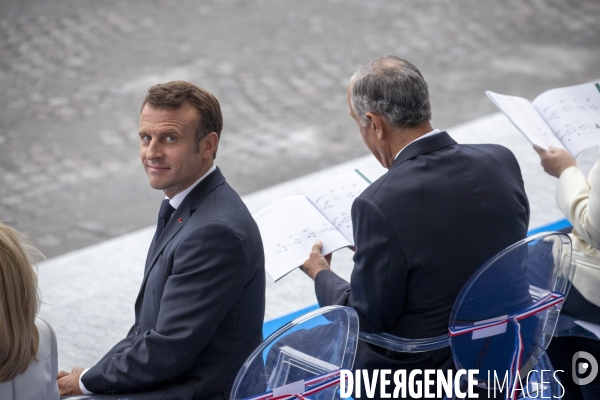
393, 88
172, 95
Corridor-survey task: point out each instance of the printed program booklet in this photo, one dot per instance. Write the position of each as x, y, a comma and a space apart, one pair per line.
290, 226
567, 118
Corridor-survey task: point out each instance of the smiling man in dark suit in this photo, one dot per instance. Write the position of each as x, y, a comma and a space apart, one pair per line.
200, 308
426, 225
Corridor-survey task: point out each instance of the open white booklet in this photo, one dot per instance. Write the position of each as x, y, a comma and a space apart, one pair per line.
566, 118
290, 226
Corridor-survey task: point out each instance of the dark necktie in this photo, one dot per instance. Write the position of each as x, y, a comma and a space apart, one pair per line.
165, 212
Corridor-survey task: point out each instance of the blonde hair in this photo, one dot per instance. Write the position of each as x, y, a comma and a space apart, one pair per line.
19, 303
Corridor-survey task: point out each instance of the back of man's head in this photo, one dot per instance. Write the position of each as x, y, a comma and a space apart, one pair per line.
172, 95
392, 88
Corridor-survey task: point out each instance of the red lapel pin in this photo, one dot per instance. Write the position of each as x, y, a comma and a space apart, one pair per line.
180, 220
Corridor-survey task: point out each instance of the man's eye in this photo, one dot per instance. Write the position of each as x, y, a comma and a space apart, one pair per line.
171, 138
145, 138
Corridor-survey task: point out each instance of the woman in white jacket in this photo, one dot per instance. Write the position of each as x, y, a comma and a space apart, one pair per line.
579, 200
28, 354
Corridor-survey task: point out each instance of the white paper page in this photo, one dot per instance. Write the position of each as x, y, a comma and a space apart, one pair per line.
525, 117
573, 113
334, 196
289, 228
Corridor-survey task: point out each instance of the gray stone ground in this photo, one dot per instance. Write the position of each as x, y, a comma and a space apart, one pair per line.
73, 74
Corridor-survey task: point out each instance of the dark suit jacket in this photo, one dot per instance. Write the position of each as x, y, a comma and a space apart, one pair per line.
200, 309
421, 230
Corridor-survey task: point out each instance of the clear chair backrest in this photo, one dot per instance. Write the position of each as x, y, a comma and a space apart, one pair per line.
516, 295
303, 357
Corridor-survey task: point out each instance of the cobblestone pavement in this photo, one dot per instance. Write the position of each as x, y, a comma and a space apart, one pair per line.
73, 74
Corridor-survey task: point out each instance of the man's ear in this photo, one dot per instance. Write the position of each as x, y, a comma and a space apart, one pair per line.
208, 145
378, 124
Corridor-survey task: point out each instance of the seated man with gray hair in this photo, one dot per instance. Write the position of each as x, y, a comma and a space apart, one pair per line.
425, 226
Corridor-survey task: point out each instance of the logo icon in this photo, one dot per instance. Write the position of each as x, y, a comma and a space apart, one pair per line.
588, 367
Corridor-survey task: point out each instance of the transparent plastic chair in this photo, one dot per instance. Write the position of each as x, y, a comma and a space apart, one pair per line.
303, 358
504, 317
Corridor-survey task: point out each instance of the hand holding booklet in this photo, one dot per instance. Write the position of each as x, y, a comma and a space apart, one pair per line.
290, 226
565, 118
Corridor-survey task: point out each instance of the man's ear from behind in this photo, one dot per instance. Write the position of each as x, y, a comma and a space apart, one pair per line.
377, 124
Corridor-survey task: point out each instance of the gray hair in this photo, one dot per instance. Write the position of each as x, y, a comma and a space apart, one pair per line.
392, 88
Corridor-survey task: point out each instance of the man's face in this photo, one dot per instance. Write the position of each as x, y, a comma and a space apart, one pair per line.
369, 137
172, 158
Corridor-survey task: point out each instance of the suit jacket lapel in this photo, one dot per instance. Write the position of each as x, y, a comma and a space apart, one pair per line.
191, 202
423, 146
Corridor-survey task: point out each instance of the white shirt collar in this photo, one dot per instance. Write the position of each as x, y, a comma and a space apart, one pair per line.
433, 132
178, 198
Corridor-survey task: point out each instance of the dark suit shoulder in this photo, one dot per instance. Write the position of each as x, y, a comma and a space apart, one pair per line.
495, 155
231, 210
371, 191
222, 204
424, 171
489, 149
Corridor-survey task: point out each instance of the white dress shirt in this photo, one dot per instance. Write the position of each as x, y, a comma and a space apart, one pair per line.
175, 202
433, 132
